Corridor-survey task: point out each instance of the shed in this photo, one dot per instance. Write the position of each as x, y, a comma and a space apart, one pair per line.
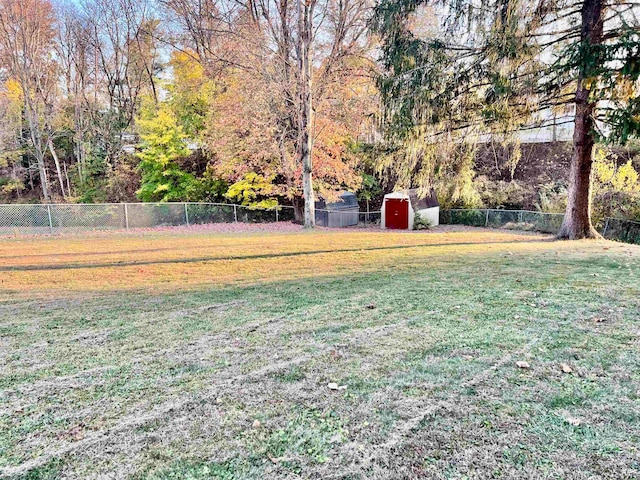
341, 213
399, 209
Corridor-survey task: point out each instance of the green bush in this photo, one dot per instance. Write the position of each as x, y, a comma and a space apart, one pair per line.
474, 218
421, 223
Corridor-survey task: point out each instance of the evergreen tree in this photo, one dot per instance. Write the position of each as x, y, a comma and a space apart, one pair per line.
492, 67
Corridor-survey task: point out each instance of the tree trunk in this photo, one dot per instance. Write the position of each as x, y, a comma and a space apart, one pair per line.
66, 176
36, 140
298, 210
77, 141
306, 110
58, 169
577, 219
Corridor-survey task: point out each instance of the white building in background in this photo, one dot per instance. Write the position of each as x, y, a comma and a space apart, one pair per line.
548, 127
555, 128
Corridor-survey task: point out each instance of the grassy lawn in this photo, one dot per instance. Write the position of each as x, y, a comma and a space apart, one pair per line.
198, 356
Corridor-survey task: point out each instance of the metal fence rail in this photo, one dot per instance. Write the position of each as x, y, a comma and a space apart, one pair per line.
627, 231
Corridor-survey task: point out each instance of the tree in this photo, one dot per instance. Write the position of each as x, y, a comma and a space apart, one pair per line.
109, 62
243, 136
163, 142
26, 44
299, 49
497, 67
304, 11
12, 172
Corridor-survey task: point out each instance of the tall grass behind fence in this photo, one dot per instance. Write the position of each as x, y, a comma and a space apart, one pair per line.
626, 231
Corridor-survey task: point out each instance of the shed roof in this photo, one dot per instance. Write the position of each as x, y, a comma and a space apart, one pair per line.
347, 200
428, 201
398, 194
417, 203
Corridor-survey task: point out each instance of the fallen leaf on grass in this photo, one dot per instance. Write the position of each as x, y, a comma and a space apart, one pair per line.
335, 386
256, 423
522, 364
566, 368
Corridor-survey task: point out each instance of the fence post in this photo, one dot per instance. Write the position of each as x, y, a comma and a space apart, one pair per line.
235, 213
50, 222
186, 213
606, 227
486, 219
126, 217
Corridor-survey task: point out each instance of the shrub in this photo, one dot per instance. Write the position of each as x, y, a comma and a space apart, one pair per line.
123, 180
511, 195
421, 223
552, 198
616, 187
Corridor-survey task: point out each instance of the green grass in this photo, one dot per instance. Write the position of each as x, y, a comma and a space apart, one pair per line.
230, 381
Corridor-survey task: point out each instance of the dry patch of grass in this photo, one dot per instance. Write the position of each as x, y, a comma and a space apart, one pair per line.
208, 356
37, 266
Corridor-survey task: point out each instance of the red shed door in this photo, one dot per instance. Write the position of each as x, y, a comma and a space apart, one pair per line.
396, 213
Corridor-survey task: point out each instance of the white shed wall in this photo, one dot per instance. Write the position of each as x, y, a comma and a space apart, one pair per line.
430, 214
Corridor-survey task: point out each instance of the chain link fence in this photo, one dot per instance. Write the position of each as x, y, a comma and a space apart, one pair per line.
56, 218
626, 231
511, 219
28, 219
614, 229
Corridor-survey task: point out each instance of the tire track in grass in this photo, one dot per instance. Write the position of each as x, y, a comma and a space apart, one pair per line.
137, 420
361, 464
169, 316
66, 380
